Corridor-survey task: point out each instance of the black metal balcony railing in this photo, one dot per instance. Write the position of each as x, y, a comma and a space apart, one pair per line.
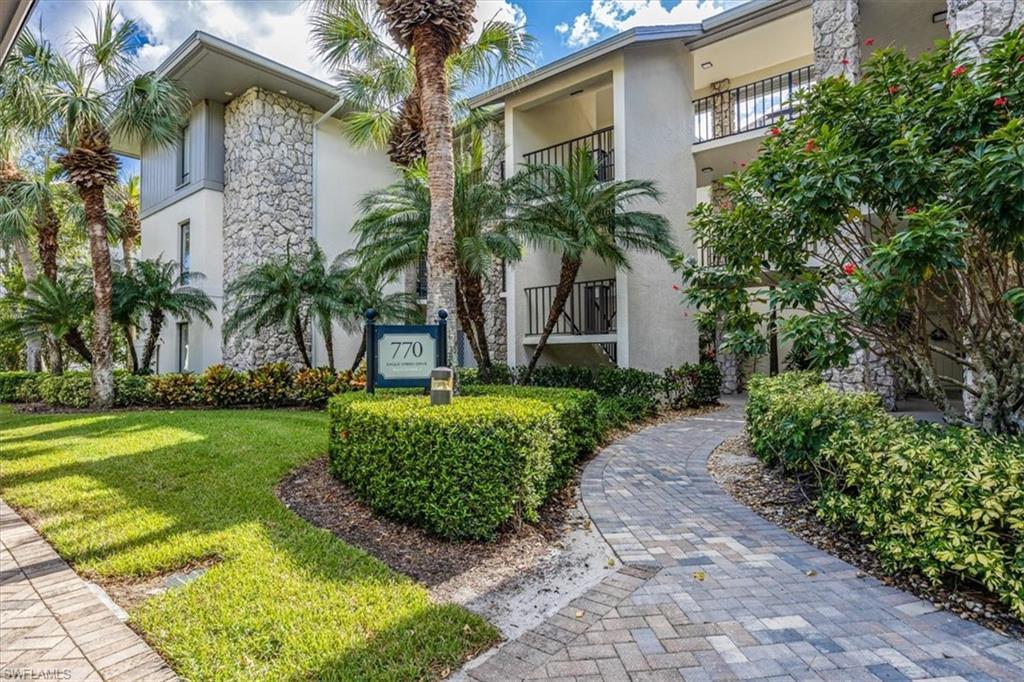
600, 143
590, 308
749, 107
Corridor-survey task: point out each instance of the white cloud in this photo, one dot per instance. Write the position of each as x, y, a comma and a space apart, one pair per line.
607, 17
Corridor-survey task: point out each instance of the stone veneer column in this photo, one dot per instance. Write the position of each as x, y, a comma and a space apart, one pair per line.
983, 21
268, 203
495, 321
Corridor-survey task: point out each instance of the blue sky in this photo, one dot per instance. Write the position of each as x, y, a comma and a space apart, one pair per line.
278, 29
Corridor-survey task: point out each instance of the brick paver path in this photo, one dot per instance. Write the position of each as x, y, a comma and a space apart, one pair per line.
710, 590
52, 626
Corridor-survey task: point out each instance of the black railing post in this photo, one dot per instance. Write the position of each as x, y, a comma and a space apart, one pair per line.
442, 341
371, 348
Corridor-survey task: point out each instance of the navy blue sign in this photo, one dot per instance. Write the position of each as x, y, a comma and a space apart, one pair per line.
404, 355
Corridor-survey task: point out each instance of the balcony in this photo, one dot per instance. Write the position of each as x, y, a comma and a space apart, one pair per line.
749, 107
601, 144
589, 315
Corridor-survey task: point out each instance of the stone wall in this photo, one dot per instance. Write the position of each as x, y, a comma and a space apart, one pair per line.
983, 21
268, 203
495, 321
836, 27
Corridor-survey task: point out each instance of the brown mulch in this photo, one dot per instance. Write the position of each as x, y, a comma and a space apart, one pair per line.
789, 502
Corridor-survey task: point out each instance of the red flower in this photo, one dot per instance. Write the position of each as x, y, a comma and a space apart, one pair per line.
958, 71
776, 132
676, 287
1000, 102
893, 89
810, 146
743, 164
849, 268
911, 210
1020, 58
869, 42
844, 61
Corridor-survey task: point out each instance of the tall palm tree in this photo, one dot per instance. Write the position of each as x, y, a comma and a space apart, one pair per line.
570, 210
125, 206
395, 222
50, 309
156, 289
82, 105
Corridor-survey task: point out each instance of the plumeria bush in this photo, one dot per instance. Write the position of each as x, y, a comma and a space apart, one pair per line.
889, 214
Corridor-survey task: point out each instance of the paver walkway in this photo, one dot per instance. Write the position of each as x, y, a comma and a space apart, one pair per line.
713, 591
52, 626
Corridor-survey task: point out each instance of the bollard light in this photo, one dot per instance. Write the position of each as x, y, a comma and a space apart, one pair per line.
442, 385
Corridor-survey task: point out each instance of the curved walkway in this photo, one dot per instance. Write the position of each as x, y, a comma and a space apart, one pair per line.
710, 590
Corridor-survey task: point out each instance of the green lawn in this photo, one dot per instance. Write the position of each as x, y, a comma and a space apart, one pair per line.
137, 493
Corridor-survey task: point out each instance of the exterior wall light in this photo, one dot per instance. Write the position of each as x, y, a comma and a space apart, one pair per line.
706, 65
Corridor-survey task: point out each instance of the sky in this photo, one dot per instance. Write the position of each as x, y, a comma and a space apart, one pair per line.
278, 29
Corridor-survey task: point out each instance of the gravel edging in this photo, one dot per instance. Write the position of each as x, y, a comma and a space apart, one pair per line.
788, 503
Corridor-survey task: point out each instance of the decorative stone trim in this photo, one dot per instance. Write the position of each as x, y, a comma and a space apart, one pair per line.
983, 21
836, 29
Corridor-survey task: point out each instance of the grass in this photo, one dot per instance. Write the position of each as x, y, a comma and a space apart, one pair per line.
140, 493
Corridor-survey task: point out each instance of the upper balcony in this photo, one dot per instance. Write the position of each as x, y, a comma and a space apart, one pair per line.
600, 144
749, 107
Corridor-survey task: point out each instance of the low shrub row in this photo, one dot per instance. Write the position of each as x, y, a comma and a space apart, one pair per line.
271, 385
943, 500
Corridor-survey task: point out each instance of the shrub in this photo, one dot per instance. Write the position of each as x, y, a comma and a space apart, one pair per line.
11, 381
176, 390
70, 389
693, 385
556, 376
635, 394
501, 374
222, 386
945, 501
132, 389
271, 384
314, 387
580, 429
28, 390
791, 416
461, 470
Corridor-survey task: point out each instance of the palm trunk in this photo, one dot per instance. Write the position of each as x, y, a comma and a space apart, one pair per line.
565, 281
102, 293
74, 339
129, 338
300, 341
474, 295
156, 323
430, 43
329, 345
466, 323
47, 230
33, 347
56, 355
359, 353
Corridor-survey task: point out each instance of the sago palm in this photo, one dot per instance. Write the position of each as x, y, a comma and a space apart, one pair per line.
570, 210
156, 289
395, 223
56, 310
81, 104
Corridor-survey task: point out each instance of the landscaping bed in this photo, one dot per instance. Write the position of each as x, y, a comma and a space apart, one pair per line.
788, 501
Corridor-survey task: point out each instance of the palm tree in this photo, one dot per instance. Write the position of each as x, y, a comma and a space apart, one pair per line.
154, 289
431, 31
125, 205
82, 105
323, 289
569, 209
394, 226
55, 310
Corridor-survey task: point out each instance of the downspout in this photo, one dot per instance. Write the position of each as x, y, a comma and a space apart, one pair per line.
316, 214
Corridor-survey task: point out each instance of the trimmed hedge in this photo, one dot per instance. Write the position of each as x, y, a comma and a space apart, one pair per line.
944, 500
460, 470
10, 382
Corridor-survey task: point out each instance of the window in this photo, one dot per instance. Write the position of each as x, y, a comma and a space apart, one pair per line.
185, 250
183, 346
184, 157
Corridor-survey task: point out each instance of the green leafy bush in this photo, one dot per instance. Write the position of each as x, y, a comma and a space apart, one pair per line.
501, 374
11, 381
271, 384
131, 390
580, 429
176, 390
945, 501
790, 417
70, 389
634, 393
314, 387
222, 386
556, 376
461, 470
693, 385
28, 390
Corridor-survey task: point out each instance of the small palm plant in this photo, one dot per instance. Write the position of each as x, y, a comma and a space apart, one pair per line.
570, 210
156, 289
81, 104
53, 310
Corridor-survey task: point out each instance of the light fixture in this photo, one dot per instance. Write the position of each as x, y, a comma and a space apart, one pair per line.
283, 92
939, 17
228, 93
706, 169
575, 92
706, 65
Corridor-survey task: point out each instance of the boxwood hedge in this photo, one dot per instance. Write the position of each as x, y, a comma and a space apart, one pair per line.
10, 382
460, 470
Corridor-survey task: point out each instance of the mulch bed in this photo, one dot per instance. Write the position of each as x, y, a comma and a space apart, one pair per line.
789, 502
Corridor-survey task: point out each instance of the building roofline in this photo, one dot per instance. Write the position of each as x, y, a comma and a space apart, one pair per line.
13, 18
715, 28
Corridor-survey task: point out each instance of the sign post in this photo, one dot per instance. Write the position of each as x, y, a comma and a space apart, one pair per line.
404, 356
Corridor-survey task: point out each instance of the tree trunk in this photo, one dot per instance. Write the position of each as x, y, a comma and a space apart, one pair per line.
566, 279
56, 354
33, 347
47, 230
430, 44
473, 292
300, 341
466, 323
102, 292
74, 339
156, 323
329, 346
133, 356
359, 353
